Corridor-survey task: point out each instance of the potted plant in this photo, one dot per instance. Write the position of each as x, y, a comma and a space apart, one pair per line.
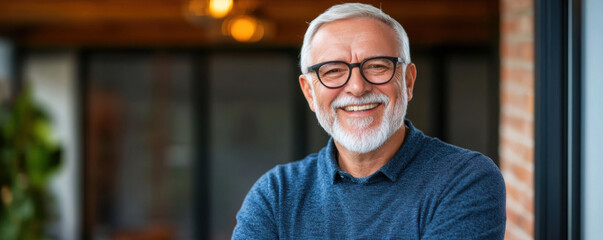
28, 158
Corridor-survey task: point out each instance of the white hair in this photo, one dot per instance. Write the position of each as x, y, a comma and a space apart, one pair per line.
346, 11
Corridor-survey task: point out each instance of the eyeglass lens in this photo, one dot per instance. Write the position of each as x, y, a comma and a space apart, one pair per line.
377, 70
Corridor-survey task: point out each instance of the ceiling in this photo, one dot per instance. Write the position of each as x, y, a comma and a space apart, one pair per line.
164, 22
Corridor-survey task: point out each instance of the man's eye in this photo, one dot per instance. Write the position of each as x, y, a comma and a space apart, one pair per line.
377, 66
333, 72
336, 70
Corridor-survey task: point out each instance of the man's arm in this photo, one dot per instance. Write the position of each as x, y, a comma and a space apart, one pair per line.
472, 205
256, 219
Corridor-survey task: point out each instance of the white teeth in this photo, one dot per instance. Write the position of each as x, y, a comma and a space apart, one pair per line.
361, 107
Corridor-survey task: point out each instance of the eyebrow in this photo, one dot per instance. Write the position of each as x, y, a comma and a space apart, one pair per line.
342, 60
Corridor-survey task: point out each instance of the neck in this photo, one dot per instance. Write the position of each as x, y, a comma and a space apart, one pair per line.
365, 164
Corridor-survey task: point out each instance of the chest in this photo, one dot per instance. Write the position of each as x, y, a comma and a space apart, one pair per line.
355, 211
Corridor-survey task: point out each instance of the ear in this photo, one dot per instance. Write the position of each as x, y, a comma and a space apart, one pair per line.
411, 76
307, 90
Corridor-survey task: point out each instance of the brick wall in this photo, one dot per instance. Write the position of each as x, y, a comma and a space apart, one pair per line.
517, 115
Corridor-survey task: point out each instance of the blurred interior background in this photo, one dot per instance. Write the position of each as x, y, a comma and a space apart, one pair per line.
167, 111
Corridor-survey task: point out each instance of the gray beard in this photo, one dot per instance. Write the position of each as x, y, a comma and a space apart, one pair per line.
364, 140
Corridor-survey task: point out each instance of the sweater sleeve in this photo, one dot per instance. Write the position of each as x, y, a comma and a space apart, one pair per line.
472, 205
256, 218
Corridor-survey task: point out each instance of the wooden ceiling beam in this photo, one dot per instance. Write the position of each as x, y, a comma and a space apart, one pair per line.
165, 34
407, 9
69, 12
88, 11
163, 22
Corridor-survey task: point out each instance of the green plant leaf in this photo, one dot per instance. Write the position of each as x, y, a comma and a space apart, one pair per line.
28, 158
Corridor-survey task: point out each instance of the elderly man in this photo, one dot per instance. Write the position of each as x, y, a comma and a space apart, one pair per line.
378, 177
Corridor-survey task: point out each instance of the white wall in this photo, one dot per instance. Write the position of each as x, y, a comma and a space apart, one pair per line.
592, 159
54, 81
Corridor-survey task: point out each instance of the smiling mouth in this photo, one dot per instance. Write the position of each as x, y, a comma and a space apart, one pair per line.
360, 108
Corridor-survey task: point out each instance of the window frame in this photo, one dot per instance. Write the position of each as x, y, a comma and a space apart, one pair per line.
557, 169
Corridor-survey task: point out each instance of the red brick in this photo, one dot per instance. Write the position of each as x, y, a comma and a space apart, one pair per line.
525, 23
517, 93
523, 101
509, 234
518, 219
523, 77
530, 105
526, 200
524, 175
521, 151
517, 24
523, 126
523, 51
513, 6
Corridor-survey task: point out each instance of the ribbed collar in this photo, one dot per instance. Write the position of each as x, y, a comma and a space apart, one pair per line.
330, 171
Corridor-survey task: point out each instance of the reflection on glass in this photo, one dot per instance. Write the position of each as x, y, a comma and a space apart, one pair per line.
138, 147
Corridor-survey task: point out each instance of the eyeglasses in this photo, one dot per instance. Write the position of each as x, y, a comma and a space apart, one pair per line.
375, 70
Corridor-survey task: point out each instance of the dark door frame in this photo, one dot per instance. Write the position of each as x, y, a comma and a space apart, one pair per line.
557, 119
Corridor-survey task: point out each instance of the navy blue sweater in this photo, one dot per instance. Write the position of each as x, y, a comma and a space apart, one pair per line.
428, 190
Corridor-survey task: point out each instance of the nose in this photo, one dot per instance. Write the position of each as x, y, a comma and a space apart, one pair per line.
357, 85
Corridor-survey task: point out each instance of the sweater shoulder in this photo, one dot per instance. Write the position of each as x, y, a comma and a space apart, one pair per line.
287, 174
455, 165
296, 168
450, 155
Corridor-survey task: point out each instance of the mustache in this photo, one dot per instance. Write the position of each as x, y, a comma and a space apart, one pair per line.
342, 101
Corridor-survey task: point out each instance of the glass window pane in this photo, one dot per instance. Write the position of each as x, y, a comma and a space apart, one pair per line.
139, 146
592, 113
251, 121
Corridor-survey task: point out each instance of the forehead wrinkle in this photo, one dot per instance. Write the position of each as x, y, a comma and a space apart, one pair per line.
338, 41
329, 47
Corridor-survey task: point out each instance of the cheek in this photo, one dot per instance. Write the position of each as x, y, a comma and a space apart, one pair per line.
393, 91
400, 83
324, 98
